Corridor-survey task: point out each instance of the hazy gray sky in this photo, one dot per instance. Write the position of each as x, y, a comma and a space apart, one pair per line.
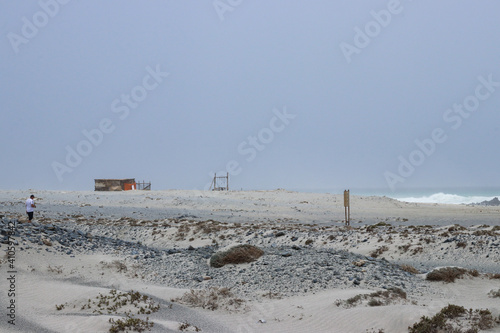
282, 94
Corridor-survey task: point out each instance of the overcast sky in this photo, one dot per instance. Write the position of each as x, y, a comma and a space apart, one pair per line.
288, 94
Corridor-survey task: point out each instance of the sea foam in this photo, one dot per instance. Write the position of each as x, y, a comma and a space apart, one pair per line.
446, 198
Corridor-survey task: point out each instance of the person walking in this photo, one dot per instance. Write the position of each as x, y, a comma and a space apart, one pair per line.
30, 207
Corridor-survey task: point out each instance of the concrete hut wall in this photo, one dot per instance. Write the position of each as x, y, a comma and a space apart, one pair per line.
112, 184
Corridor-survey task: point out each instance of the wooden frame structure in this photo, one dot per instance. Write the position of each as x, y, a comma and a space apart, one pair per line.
220, 183
143, 186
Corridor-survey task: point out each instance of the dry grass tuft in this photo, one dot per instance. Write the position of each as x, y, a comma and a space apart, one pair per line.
409, 269
119, 304
404, 248
494, 293
55, 269
484, 233
378, 298
130, 323
211, 299
455, 319
417, 250
377, 252
185, 326
373, 227
450, 274
236, 255
116, 264
208, 227
272, 295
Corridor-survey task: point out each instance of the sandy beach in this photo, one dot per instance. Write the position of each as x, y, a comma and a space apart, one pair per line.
88, 249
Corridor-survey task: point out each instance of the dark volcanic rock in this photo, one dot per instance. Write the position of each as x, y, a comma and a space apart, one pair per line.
492, 202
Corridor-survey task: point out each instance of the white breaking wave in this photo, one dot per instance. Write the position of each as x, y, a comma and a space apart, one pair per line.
445, 198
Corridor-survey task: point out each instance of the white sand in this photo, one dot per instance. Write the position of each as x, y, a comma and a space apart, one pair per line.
39, 289
247, 206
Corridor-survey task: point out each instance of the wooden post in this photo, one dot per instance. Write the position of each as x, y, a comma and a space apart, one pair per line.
227, 181
347, 208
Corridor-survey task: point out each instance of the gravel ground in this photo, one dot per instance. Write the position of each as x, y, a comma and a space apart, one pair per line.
283, 270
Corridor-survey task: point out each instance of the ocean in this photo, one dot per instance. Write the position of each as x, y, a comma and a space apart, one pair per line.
455, 196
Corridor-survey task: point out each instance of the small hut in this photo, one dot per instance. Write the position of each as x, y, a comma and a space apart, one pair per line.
115, 184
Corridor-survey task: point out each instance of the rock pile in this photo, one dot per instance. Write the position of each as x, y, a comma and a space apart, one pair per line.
66, 240
492, 202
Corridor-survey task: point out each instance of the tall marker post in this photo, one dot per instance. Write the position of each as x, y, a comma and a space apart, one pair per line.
347, 208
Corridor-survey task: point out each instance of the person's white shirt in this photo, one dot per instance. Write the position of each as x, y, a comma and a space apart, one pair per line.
29, 208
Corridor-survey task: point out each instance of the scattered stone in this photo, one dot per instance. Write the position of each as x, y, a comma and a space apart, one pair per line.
359, 263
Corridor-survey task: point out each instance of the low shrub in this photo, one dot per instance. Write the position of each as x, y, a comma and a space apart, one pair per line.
375, 302
452, 311
455, 319
211, 299
374, 226
377, 298
448, 274
484, 233
438, 322
121, 304
130, 323
236, 255
428, 325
